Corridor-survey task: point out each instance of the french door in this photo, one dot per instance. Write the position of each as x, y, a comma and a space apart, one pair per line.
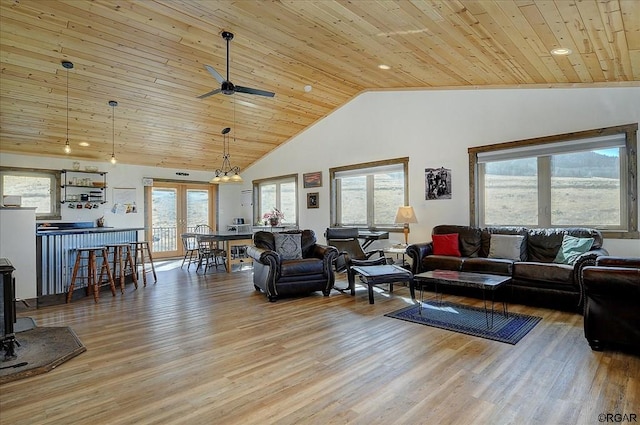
176, 208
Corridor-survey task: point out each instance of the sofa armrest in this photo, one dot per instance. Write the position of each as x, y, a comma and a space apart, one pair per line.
417, 252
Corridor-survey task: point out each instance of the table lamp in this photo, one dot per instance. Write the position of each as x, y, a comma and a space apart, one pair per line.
406, 215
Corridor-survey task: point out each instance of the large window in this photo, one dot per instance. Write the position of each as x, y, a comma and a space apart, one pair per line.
368, 195
277, 193
38, 188
584, 179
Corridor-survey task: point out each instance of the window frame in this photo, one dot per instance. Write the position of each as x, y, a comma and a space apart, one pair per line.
334, 191
54, 196
257, 201
628, 170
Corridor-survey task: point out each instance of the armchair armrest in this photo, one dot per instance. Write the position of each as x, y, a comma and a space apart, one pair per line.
612, 282
325, 252
589, 258
417, 252
610, 261
264, 256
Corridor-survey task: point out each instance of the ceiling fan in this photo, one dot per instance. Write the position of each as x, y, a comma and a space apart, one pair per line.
226, 86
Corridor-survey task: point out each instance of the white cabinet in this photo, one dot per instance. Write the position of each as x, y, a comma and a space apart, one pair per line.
18, 245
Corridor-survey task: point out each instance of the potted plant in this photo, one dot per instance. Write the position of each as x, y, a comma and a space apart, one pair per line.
273, 217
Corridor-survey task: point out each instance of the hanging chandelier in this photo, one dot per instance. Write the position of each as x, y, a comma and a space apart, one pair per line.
67, 65
226, 173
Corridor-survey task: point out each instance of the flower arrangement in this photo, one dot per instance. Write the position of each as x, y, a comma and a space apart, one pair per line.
273, 217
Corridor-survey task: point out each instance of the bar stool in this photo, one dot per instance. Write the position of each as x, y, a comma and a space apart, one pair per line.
88, 254
121, 256
140, 248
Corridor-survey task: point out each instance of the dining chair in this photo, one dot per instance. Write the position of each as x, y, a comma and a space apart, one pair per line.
190, 248
209, 250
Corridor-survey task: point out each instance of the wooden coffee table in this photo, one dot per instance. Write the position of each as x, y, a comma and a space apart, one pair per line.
486, 282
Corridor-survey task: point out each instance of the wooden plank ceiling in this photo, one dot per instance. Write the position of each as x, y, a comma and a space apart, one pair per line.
150, 55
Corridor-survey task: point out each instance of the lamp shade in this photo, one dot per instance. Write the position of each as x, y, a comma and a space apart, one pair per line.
406, 215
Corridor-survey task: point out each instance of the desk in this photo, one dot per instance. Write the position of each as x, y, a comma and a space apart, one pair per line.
230, 240
370, 236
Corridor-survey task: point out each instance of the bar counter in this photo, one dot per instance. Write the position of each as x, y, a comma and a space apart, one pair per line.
56, 251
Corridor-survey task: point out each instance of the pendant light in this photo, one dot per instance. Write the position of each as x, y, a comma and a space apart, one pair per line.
67, 65
113, 105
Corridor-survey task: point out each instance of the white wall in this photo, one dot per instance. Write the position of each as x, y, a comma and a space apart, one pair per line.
432, 127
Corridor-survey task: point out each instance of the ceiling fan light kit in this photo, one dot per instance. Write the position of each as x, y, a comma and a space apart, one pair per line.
226, 86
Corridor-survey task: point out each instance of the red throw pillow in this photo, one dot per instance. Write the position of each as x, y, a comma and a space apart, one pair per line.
446, 244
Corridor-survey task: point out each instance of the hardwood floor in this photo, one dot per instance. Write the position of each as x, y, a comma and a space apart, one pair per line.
211, 350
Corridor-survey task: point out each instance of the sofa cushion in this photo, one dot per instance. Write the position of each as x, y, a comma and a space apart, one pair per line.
441, 262
506, 246
306, 266
288, 245
543, 272
499, 266
446, 244
543, 244
572, 248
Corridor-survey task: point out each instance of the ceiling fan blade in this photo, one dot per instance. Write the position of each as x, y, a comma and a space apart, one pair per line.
211, 93
215, 73
248, 90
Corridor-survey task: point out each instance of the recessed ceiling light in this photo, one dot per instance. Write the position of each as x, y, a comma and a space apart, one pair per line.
383, 66
85, 144
561, 51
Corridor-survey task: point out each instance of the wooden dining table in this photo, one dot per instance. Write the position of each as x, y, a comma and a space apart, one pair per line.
230, 239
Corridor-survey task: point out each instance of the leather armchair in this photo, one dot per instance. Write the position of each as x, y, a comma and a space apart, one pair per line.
350, 252
278, 277
612, 302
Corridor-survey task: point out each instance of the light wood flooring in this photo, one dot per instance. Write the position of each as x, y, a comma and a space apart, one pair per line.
209, 349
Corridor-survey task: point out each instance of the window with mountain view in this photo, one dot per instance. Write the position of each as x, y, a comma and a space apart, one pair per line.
580, 182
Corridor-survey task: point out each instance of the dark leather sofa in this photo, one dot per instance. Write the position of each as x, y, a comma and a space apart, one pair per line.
612, 303
536, 279
278, 278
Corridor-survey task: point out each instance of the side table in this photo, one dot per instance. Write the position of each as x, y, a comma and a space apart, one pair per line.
397, 250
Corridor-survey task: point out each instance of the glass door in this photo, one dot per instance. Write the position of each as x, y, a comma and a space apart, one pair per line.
176, 208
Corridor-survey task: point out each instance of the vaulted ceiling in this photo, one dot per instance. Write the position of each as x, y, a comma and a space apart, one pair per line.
149, 56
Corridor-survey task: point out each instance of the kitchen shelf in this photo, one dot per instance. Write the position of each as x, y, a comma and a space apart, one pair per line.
84, 189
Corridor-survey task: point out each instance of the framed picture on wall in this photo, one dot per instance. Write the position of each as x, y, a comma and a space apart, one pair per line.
312, 179
312, 200
437, 183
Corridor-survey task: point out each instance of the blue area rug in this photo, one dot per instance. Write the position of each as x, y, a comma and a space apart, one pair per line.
469, 320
